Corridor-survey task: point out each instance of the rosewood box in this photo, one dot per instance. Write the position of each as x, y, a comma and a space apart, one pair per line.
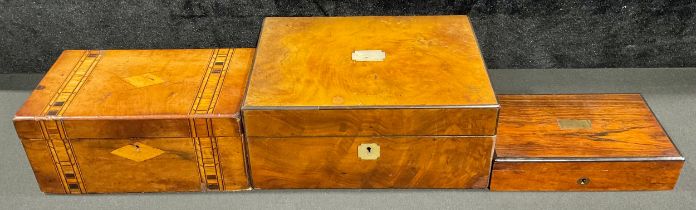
104, 121
369, 102
585, 142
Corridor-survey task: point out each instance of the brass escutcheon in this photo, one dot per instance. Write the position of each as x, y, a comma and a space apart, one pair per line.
368, 151
583, 181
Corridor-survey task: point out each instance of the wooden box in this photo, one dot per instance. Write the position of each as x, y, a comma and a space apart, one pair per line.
592, 142
105, 121
369, 102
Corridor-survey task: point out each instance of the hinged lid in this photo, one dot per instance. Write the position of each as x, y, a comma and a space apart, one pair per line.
369, 76
582, 127
138, 94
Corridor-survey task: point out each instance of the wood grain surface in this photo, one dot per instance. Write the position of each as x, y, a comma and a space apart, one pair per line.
370, 122
430, 60
41, 162
582, 142
233, 160
182, 106
108, 97
622, 125
175, 170
599, 176
304, 65
403, 162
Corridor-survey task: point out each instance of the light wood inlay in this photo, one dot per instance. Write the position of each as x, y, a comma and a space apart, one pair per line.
73, 83
204, 140
53, 130
175, 170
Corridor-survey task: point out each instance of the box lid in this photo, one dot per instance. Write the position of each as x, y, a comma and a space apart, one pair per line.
138, 93
347, 76
580, 127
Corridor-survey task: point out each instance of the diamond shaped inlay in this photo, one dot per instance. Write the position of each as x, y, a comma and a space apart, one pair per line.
137, 152
144, 80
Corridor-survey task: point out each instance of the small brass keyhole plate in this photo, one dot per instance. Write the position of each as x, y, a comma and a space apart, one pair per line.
583, 181
368, 151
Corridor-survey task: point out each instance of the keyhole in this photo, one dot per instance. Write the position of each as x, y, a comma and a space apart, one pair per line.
583, 181
368, 151
137, 147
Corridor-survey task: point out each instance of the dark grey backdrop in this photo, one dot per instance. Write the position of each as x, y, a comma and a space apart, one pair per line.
513, 34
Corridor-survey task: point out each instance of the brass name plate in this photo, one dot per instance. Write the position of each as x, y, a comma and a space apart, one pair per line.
368, 55
567, 124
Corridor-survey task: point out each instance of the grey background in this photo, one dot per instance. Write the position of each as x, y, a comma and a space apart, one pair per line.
512, 33
671, 93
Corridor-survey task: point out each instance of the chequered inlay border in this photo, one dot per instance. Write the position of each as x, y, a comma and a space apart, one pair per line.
204, 140
53, 131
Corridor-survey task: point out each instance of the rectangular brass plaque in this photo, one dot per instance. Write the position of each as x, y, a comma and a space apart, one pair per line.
368, 55
566, 124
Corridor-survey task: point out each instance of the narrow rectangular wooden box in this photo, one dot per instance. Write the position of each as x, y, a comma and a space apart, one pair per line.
104, 121
584, 142
369, 102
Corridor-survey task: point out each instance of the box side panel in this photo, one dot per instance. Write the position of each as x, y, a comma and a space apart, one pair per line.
28, 129
585, 176
41, 162
233, 163
151, 128
229, 126
155, 165
135, 128
371, 122
388, 162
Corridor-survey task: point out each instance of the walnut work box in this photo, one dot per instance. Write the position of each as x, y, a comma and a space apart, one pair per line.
106, 121
592, 142
369, 102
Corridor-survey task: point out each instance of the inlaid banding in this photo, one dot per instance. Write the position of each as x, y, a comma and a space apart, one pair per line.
53, 131
204, 140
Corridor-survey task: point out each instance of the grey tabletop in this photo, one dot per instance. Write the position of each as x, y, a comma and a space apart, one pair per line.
671, 93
